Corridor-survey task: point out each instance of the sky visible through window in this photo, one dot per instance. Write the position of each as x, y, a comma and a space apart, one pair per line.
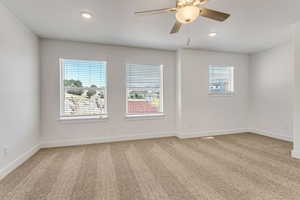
88, 72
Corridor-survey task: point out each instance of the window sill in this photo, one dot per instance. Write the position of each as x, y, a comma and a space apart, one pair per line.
146, 117
83, 119
221, 94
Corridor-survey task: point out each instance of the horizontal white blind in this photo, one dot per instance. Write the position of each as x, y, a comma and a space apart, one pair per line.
143, 76
221, 79
144, 89
83, 88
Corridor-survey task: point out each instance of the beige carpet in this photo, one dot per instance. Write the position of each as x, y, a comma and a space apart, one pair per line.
233, 167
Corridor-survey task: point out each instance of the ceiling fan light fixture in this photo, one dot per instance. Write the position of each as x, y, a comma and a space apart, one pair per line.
187, 14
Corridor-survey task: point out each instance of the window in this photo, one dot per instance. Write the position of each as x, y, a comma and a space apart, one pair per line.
83, 89
144, 89
221, 80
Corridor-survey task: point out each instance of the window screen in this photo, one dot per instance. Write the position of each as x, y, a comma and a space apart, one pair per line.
221, 80
144, 89
83, 88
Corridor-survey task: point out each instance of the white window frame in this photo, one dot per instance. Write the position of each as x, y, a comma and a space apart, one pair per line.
158, 114
233, 82
62, 94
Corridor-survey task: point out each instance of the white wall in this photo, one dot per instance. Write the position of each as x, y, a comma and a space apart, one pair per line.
197, 113
296, 90
19, 91
270, 108
200, 113
117, 127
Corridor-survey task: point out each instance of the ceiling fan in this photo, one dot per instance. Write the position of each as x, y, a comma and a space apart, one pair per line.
188, 11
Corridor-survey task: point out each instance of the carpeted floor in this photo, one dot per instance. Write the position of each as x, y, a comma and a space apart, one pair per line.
232, 167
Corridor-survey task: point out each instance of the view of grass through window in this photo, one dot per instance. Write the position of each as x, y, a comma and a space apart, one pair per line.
84, 88
144, 89
221, 80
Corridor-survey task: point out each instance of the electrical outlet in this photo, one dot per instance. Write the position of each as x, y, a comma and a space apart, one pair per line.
5, 151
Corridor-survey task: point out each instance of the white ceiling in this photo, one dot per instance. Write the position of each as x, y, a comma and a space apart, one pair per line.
253, 26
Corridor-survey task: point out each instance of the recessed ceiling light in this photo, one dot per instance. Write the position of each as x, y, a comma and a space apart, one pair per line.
86, 15
213, 34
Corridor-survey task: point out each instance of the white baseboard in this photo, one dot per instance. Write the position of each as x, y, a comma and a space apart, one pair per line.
296, 154
195, 134
83, 141
272, 134
180, 134
17, 162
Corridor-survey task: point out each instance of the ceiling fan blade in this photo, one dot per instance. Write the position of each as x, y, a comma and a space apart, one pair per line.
213, 14
176, 27
158, 11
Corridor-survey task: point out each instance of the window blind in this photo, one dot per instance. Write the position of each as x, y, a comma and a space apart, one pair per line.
144, 89
83, 88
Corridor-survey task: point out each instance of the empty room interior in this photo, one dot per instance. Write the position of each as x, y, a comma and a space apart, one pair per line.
149, 100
